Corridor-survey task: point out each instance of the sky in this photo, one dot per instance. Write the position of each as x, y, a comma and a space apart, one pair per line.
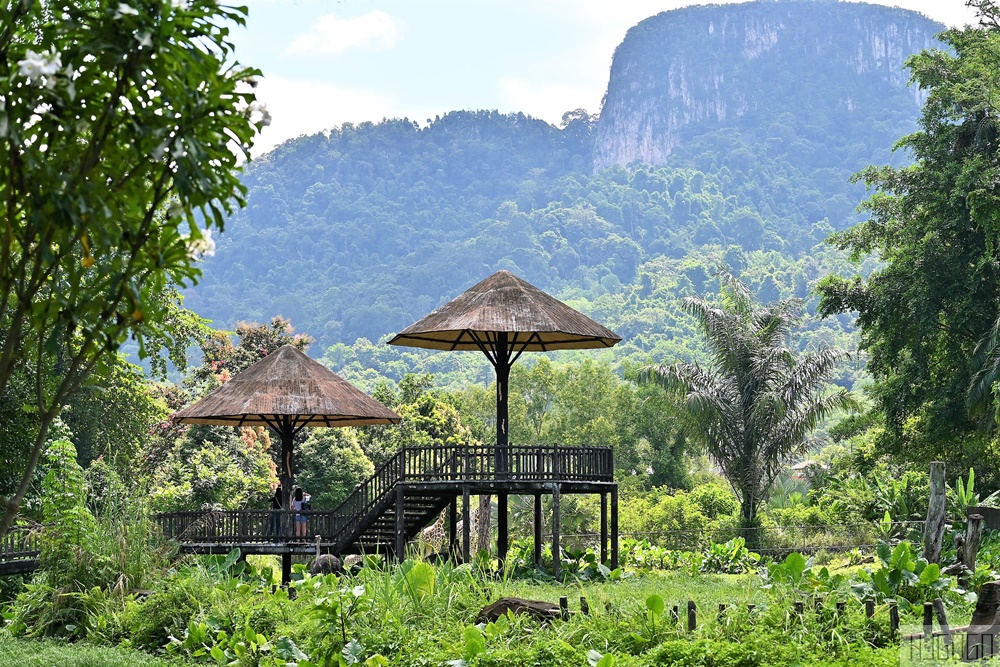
327, 62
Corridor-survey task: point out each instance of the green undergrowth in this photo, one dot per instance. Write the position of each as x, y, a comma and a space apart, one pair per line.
56, 653
224, 612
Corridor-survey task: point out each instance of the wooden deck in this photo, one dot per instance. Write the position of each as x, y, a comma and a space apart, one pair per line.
408, 493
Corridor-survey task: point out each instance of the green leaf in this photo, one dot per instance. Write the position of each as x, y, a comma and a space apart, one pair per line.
217, 654
352, 652
286, 649
930, 574
655, 604
475, 643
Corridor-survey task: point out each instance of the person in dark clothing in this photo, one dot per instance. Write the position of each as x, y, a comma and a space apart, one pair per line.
275, 525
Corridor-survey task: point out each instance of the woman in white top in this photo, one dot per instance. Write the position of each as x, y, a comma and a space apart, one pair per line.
300, 502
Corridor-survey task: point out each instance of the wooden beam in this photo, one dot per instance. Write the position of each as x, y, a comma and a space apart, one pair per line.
614, 528
604, 529
556, 521
453, 545
538, 529
400, 523
466, 536
503, 538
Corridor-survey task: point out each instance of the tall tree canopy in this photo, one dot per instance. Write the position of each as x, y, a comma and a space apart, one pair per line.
935, 226
759, 401
108, 113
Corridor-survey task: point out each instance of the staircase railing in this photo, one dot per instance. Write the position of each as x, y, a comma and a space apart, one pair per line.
450, 463
446, 463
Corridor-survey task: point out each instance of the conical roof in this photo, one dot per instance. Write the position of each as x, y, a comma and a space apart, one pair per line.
287, 384
533, 320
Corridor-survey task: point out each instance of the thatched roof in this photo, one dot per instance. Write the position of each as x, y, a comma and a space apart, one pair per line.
505, 303
287, 383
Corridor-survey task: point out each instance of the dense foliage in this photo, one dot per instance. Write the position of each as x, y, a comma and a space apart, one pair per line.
108, 113
934, 227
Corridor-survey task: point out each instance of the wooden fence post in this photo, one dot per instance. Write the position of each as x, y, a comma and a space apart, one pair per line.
936, 514
893, 620
870, 608
973, 531
942, 620
564, 608
692, 616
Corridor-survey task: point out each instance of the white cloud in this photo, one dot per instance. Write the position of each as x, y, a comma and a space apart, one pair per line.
374, 31
309, 107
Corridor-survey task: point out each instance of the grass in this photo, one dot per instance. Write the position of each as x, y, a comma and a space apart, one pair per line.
34, 653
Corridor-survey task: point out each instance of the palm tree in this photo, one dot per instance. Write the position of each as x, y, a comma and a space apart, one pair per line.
759, 401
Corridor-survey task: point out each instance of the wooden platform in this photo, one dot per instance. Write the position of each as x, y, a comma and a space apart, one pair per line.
408, 493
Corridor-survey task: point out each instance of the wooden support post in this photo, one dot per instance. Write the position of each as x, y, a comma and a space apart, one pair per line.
584, 606
936, 514
564, 608
798, 609
466, 528
286, 568
614, 528
556, 523
942, 620
675, 615
692, 616
928, 620
818, 604
870, 608
453, 545
604, 529
503, 538
841, 608
893, 620
973, 531
722, 613
538, 530
980, 640
400, 524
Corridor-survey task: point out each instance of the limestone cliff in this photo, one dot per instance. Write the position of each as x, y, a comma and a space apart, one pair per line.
820, 65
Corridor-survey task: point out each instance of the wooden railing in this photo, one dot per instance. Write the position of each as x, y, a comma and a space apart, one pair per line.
21, 544
452, 463
246, 526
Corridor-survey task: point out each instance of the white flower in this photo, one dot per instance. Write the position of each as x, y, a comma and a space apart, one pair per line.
125, 9
146, 40
38, 66
202, 247
259, 110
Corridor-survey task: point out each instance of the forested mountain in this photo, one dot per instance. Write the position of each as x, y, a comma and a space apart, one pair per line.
754, 117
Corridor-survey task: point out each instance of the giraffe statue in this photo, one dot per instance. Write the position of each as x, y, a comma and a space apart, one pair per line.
432, 538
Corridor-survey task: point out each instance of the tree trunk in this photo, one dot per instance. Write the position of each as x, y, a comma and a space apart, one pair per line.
936, 514
748, 522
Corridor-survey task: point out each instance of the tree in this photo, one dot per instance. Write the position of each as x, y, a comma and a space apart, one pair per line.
331, 464
935, 227
120, 128
758, 402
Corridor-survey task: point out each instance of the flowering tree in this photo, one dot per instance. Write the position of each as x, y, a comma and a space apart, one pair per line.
122, 125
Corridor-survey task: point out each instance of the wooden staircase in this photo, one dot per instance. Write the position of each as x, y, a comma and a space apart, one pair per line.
369, 513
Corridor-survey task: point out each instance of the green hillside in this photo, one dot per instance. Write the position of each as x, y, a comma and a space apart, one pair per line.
357, 233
